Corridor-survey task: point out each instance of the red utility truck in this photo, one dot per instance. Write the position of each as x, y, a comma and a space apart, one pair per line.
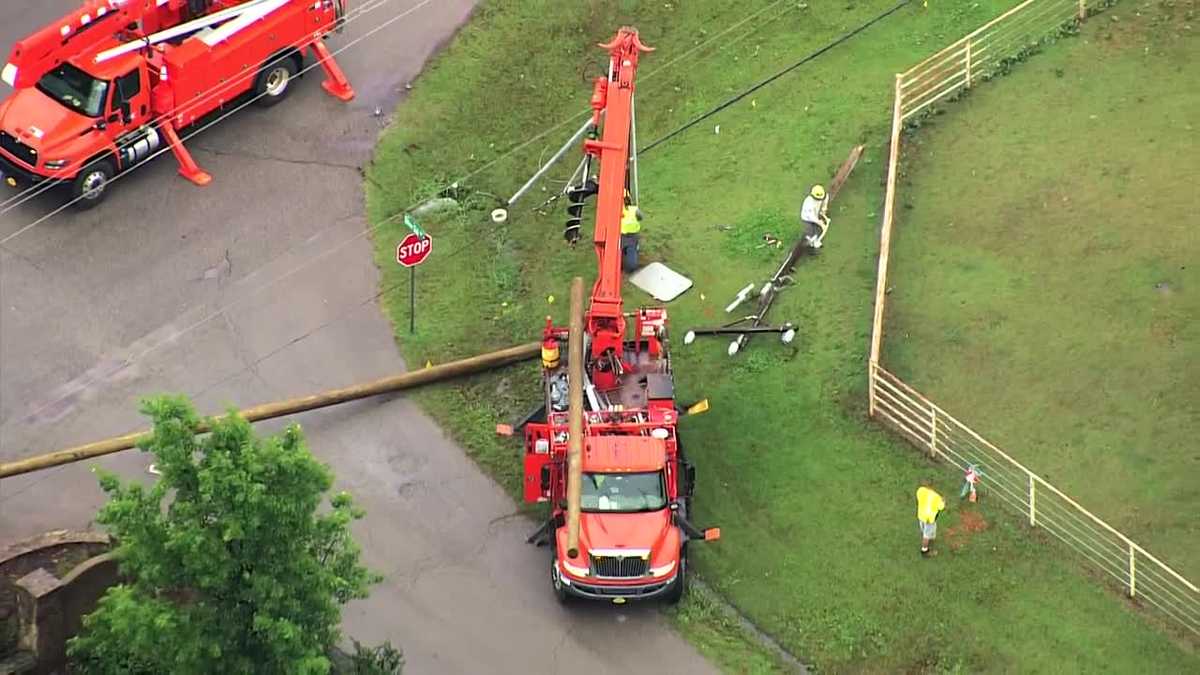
105, 87
612, 470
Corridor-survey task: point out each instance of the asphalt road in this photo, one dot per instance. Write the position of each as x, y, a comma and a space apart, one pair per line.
100, 308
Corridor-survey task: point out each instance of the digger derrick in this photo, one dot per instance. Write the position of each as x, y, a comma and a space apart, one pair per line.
114, 83
606, 456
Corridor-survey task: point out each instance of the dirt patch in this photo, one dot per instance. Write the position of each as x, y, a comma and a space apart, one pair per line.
1143, 26
969, 524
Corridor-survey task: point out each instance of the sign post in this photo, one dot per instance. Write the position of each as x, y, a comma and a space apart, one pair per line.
410, 252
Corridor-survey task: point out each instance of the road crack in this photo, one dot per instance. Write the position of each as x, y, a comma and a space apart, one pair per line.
284, 160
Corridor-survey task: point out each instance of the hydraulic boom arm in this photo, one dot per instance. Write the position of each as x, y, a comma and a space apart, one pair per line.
612, 96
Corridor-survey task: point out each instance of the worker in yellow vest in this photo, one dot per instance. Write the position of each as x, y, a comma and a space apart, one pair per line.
631, 228
929, 505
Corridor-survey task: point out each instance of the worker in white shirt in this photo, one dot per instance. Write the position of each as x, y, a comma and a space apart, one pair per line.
813, 215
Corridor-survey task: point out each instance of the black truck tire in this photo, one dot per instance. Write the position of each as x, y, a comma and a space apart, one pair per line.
90, 186
274, 81
560, 590
678, 587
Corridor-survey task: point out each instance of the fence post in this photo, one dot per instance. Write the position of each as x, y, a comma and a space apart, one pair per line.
1082, 9
1132, 572
932, 432
885, 243
1032, 503
969, 61
871, 389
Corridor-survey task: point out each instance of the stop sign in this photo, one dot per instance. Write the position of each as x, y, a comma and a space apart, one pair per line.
414, 250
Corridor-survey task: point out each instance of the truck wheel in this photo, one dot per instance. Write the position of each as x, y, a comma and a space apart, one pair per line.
274, 81
560, 591
90, 187
679, 586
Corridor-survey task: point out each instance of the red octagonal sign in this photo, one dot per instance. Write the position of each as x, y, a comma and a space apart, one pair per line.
414, 250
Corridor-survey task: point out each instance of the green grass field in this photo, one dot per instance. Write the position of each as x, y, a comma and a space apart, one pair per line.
1056, 310
816, 504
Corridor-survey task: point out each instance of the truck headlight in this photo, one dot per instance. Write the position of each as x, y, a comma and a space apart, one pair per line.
575, 569
57, 163
663, 571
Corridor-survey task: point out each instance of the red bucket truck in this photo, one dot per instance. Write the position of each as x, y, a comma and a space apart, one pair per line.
606, 456
107, 86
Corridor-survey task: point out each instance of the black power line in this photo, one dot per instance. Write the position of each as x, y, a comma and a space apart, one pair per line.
845, 37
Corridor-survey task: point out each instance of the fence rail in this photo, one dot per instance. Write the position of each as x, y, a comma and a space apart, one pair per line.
1044, 506
976, 57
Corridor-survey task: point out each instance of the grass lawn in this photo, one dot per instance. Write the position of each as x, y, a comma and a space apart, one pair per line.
1057, 310
816, 505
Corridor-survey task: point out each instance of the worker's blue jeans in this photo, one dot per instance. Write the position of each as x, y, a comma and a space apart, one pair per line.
629, 252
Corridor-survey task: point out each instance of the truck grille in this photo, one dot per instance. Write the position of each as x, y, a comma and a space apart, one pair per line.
17, 149
620, 567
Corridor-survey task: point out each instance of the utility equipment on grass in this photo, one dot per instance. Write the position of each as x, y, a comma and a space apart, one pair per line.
103, 88
754, 323
614, 475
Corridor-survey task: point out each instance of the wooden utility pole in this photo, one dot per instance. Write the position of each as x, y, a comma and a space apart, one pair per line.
574, 416
267, 411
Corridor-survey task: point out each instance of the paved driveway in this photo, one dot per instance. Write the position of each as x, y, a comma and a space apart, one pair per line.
100, 308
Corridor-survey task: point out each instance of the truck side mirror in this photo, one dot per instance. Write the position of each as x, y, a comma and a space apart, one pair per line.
546, 478
126, 111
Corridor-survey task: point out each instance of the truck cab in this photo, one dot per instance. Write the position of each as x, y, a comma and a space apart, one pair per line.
80, 125
630, 545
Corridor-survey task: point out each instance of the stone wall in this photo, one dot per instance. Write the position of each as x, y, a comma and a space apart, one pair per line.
48, 584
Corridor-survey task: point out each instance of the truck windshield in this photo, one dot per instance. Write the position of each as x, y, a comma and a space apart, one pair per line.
623, 492
75, 89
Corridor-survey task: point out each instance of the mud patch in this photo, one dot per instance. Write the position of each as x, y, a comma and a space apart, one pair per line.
970, 523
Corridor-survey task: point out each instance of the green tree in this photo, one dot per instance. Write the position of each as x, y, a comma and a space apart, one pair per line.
232, 564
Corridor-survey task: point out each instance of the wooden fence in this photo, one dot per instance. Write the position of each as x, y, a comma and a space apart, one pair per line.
975, 58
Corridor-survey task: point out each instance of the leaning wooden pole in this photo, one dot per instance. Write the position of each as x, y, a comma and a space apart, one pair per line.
266, 411
574, 416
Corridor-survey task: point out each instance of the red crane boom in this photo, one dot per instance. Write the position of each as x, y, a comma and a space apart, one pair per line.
613, 96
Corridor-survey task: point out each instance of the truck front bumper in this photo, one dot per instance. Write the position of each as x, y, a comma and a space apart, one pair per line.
13, 175
592, 590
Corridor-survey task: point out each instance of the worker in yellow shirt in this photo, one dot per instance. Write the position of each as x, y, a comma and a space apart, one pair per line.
929, 505
631, 229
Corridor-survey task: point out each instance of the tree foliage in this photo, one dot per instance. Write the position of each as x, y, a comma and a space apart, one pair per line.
232, 564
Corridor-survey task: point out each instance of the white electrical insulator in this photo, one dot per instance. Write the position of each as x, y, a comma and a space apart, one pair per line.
690, 337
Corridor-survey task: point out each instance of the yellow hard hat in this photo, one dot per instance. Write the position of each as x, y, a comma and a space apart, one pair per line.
818, 192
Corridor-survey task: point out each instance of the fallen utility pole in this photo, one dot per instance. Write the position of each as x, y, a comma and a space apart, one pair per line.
754, 323
267, 411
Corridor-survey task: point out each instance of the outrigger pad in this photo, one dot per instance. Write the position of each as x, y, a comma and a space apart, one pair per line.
660, 281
